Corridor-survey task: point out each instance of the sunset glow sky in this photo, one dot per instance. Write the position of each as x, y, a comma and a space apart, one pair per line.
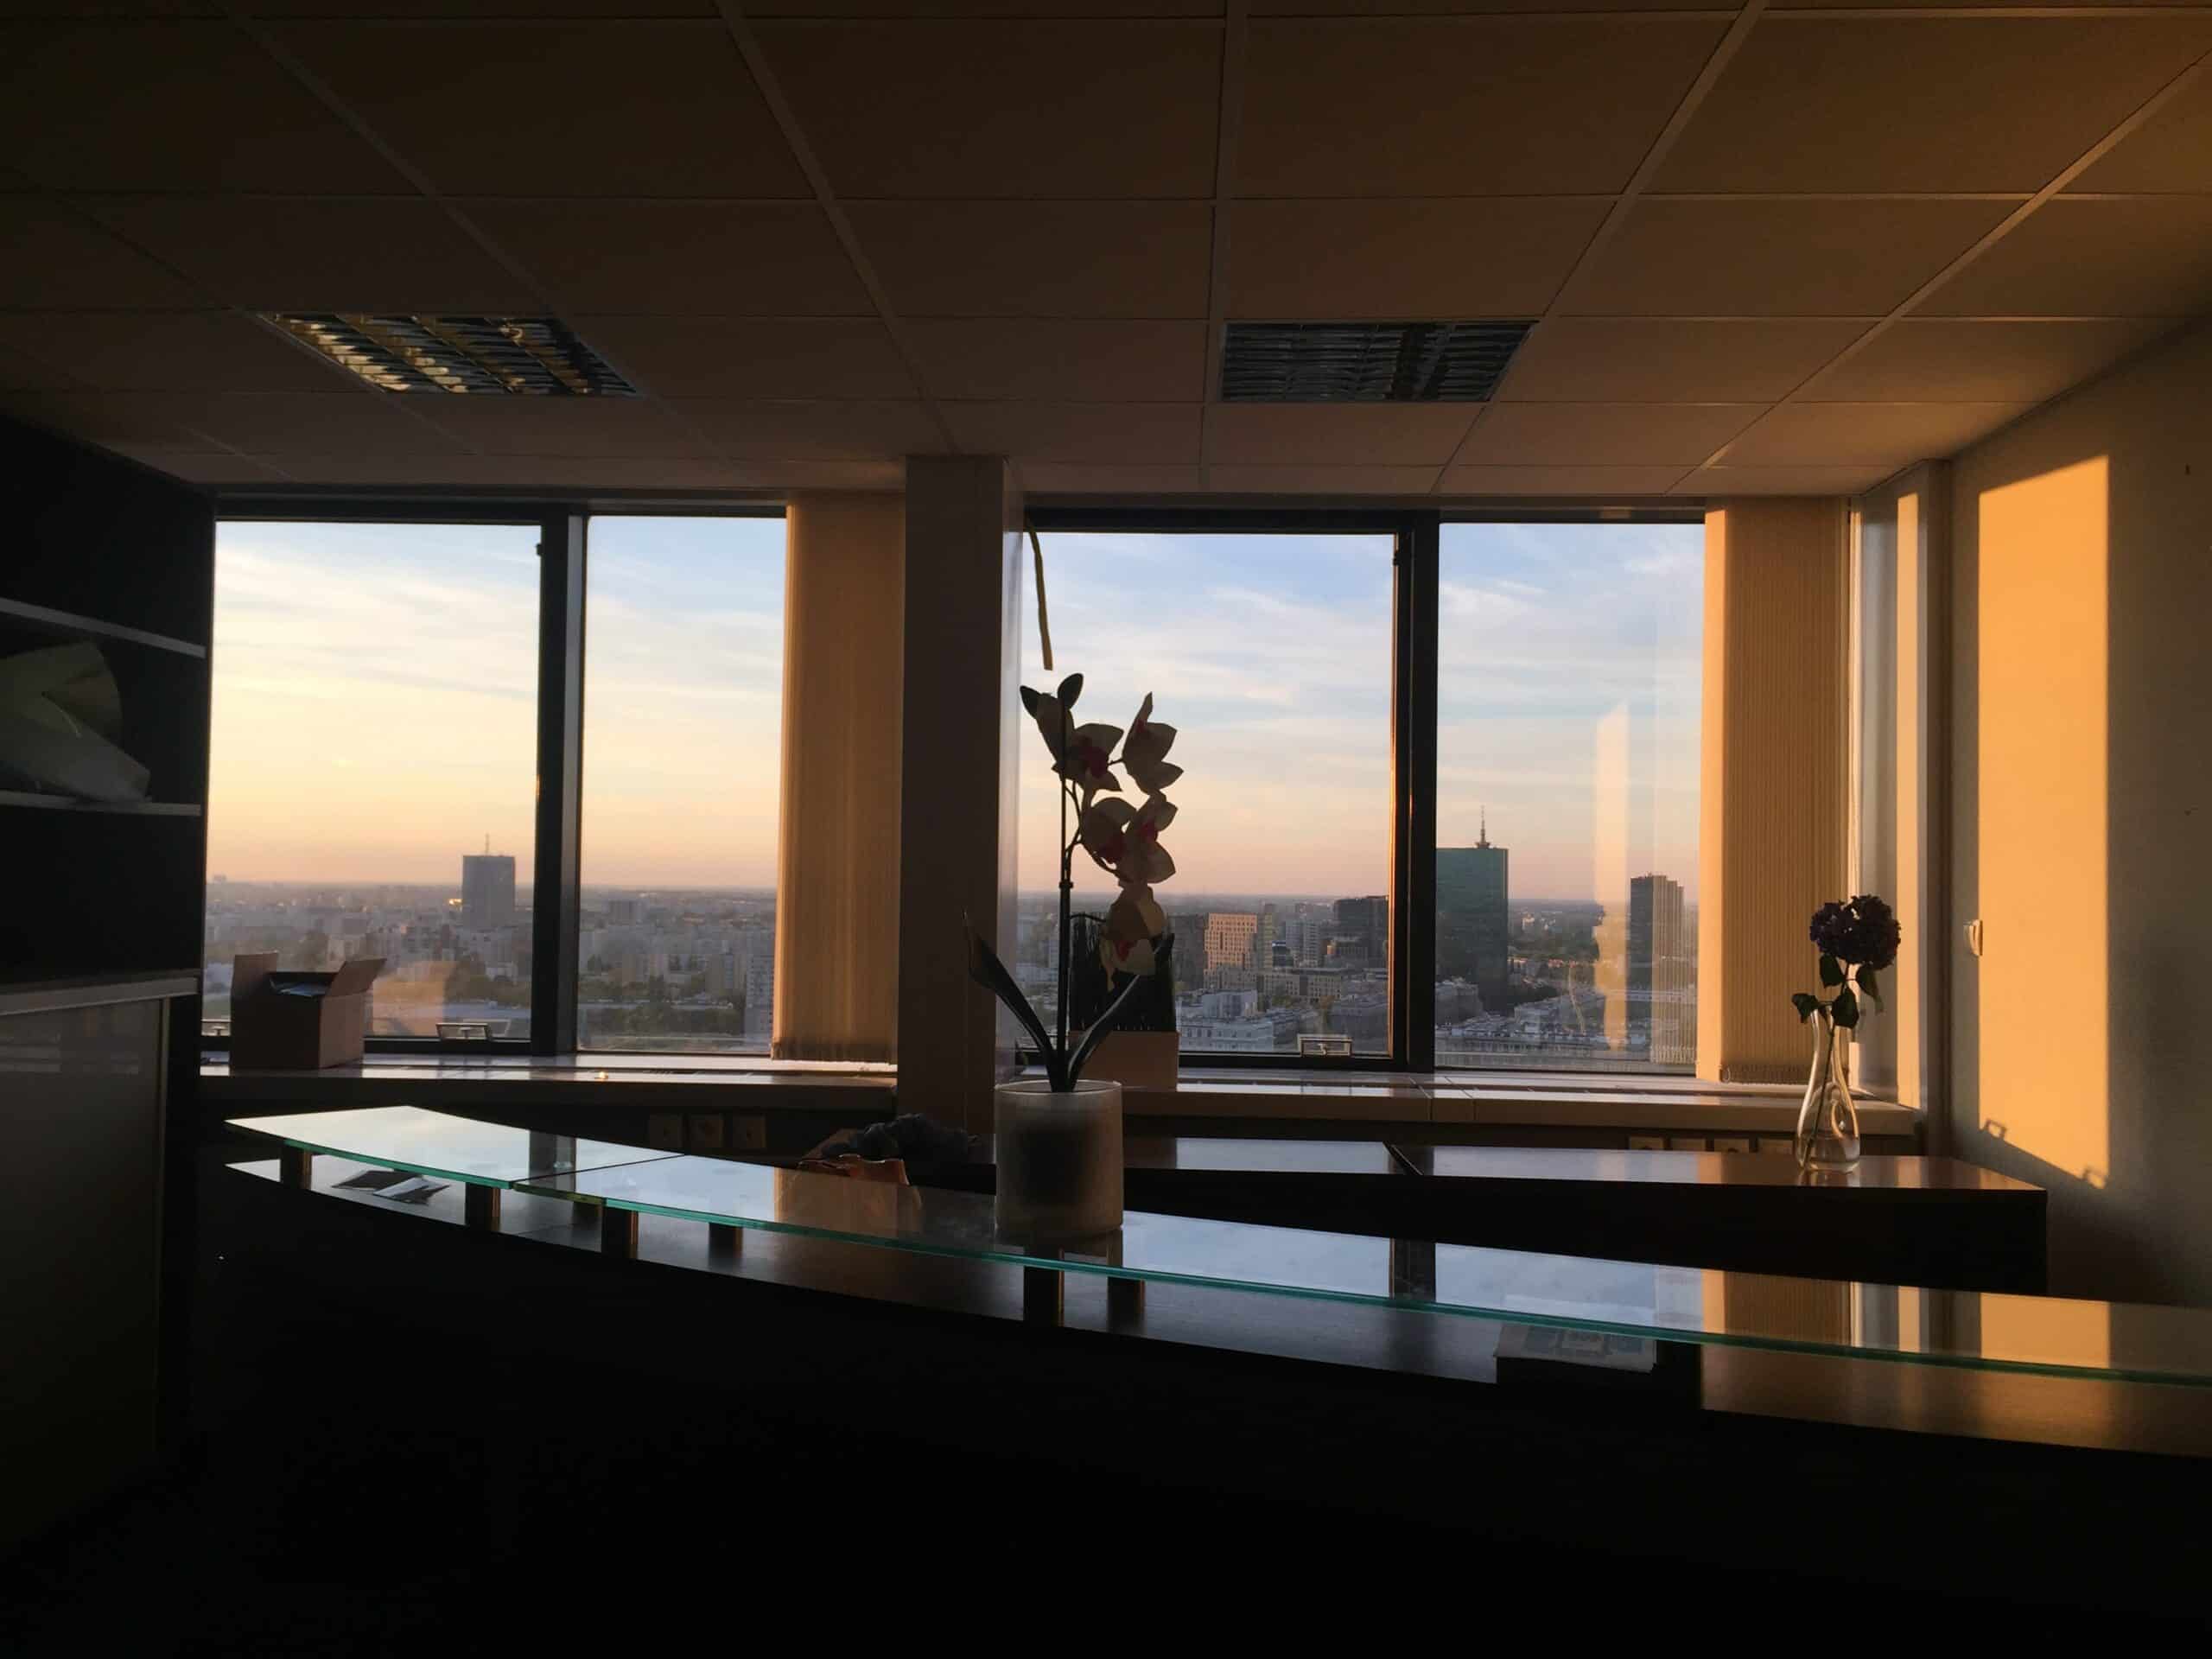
375, 699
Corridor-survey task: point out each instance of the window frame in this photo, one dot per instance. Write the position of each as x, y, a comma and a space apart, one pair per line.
1418, 534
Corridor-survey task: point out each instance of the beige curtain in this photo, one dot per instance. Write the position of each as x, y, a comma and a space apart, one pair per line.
837, 869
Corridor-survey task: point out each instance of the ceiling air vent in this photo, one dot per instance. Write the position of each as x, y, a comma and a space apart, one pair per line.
530, 357
1366, 362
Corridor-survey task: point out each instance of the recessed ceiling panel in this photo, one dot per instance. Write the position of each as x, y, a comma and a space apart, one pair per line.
754, 357
1038, 258
1884, 434
1129, 434
1430, 362
170, 107
303, 254
1461, 105
1037, 361
1394, 259
2113, 257
1612, 435
1720, 259
1923, 103
1925, 360
615, 109
1005, 109
1671, 359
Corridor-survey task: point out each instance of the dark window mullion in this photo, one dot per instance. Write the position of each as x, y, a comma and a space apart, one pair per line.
1413, 739
554, 893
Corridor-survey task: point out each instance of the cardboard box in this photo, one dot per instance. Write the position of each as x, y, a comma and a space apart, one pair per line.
285, 1021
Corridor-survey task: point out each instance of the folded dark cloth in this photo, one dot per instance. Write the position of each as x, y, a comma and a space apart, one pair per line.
909, 1135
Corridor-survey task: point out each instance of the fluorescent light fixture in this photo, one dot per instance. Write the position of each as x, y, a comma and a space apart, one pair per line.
529, 357
1367, 362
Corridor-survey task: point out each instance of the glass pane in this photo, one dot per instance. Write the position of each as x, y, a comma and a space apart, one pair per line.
1634, 1300
684, 698
1569, 665
373, 774
434, 1143
1270, 655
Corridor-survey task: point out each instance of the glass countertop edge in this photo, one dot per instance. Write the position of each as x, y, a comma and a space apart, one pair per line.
1654, 1332
419, 1167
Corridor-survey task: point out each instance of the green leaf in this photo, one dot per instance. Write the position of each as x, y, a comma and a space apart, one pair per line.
1831, 972
1029, 700
1806, 1003
1869, 989
1070, 689
1847, 1009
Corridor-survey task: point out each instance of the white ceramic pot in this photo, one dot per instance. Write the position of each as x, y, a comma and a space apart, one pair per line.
1059, 1160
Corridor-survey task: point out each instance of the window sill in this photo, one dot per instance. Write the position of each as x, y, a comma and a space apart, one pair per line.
1656, 1105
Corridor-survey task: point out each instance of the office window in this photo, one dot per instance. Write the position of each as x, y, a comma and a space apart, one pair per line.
1271, 657
373, 763
1568, 676
683, 666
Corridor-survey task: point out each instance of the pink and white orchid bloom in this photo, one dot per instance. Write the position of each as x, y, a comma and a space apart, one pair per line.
1133, 922
1124, 839
1145, 754
1089, 759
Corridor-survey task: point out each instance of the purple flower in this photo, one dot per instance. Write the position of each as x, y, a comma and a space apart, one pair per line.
1863, 931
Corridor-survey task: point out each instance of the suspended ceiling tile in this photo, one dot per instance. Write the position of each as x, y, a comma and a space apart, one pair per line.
976, 108
170, 107
1460, 105
1043, 360
556, 426
1929, 361
1673, 359
314, 254
751, 357
330, 423
166, 350
2172, 150
2117, 256
975, 9
812, 430
1559, 480
205, 467
1307, 479
21, 373
1888, 435
1820, 259
1603, 435
1720, 483
1038, 258
482, 9
1375, 260
1453, 8
51, 255
1924, 105
1082, 477
778, 259
1405, 434
613, 109
1127, 433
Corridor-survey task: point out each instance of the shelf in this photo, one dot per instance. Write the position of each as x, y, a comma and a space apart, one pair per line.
97, 990
67, 625
129, 809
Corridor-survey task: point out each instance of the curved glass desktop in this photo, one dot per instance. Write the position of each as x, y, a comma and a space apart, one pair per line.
2037, 1334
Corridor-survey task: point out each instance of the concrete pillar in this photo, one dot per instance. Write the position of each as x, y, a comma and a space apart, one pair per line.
962, 744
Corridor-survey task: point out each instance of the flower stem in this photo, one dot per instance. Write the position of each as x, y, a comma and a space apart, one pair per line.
1067, 888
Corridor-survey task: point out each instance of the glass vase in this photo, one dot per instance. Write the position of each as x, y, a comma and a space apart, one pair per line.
1828, 1123
1059, 1160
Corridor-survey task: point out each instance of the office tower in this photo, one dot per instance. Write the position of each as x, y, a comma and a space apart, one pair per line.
1658, 967
1473, 932
487, 890
1231, 937
1368, 921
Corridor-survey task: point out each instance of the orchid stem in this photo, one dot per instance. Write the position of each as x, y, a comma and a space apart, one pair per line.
1067, 889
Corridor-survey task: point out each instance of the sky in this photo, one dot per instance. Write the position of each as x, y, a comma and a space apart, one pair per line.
1568, 697
375, 700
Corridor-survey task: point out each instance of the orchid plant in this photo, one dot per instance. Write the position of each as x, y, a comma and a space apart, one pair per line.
1123, 838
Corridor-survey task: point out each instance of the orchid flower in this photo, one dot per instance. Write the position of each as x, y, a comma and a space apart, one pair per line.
1145, 751
1132, 923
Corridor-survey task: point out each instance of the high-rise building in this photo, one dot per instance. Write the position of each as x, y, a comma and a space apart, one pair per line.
1472, 933
1231, 939
1368, 922
487, 890
1659, 958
